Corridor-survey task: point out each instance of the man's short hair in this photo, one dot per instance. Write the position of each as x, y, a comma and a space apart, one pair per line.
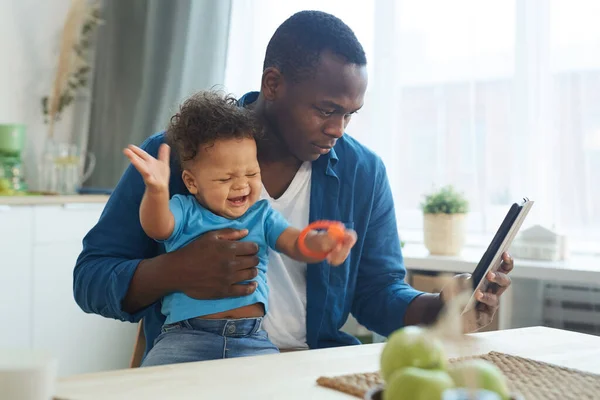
297, 44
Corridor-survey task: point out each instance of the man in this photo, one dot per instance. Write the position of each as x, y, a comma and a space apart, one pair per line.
314, 80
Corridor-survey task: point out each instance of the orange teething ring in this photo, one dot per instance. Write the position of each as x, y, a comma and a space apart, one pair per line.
335, 230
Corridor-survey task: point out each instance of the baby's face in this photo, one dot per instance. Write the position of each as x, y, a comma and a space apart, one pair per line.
225, 177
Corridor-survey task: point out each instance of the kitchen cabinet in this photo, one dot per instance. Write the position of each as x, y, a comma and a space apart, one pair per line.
40, 244
82, 342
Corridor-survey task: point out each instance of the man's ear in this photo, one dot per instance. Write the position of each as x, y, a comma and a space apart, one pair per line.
272, 83
189, 181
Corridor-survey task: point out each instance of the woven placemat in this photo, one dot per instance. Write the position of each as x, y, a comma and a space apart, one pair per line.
353, 384
534, 380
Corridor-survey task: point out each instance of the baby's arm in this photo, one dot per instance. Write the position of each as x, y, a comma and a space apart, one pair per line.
318, 242
155, 216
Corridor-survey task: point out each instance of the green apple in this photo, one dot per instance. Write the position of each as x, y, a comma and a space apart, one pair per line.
411, 347
412, 383
480, 374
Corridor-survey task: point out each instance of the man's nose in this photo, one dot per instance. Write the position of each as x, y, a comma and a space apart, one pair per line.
335, 126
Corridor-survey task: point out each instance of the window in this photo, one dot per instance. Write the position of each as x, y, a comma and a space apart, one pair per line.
500, 98
457, 68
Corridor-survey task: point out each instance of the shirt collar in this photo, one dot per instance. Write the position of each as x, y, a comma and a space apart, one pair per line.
248, 98
333, 157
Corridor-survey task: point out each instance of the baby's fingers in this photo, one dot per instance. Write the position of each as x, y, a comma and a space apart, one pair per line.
341, 251
335, 257
141, 153
339, 254
349, 238
137, 162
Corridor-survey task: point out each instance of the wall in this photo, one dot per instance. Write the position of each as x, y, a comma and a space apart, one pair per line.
29, 43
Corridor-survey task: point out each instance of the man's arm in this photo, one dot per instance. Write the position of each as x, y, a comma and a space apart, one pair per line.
383, 301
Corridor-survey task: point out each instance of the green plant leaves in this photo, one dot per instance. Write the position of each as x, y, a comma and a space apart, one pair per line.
445, 201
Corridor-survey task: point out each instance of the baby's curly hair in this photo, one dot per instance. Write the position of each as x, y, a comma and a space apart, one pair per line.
206, 117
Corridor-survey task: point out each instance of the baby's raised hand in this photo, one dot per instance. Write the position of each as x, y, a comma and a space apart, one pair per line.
155, 172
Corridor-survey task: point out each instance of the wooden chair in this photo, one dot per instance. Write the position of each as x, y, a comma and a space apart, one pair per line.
139, 347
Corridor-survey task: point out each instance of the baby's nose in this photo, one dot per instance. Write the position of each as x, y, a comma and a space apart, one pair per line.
240, 184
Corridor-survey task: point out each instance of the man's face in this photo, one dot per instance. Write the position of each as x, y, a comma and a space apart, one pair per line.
312, 114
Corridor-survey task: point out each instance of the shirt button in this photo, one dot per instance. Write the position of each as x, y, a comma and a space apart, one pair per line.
231, 329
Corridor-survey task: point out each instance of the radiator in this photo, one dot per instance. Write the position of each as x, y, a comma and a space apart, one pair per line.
572, 307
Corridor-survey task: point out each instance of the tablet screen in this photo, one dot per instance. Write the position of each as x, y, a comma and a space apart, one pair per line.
495, 244
501, 242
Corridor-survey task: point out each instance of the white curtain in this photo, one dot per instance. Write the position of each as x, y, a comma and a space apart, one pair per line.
500, 98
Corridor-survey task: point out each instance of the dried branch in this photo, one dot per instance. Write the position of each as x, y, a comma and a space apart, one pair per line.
72, 68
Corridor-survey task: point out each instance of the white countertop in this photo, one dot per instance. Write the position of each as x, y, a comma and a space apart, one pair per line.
578, 269
49, 200
293, 375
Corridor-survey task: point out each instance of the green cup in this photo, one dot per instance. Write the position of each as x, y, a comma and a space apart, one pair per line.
12, 139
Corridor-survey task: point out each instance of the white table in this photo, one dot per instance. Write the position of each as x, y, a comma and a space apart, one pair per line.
293, 375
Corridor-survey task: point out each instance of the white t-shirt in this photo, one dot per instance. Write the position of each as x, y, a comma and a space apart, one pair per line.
286, 320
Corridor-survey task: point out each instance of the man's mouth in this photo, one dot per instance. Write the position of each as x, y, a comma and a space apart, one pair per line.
322, 149
238, 201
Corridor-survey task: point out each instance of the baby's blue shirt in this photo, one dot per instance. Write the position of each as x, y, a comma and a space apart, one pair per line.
264, 226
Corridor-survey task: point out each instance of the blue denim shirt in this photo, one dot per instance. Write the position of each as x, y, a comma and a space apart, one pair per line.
348, 184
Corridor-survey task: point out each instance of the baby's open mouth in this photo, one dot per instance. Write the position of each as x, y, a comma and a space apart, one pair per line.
238, 201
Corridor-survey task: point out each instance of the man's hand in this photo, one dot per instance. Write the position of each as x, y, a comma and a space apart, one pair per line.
210, 267
483, 314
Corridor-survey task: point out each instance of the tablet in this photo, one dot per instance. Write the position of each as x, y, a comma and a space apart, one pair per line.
492, 258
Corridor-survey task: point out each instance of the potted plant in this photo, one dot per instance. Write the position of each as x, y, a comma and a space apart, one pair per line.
444, 221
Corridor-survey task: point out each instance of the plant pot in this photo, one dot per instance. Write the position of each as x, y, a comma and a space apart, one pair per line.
445, 234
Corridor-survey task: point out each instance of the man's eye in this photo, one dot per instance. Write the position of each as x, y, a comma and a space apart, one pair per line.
252, 175
326, 113
224, 180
